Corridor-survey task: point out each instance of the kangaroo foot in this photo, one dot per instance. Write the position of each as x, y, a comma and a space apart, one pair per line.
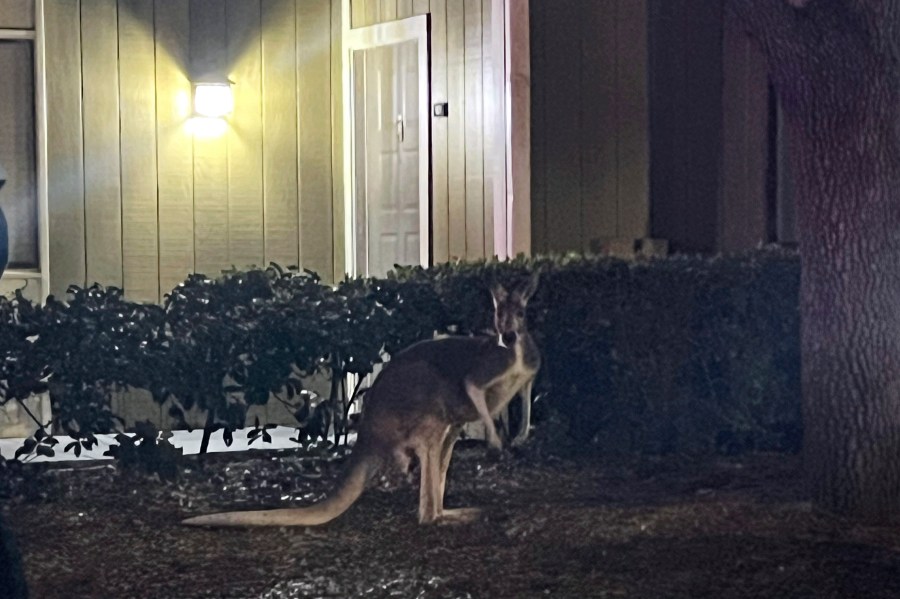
464, 515
520, 439
496, 454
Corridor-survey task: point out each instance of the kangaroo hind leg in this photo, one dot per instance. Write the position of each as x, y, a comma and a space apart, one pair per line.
430, 493
446, 454
457, 515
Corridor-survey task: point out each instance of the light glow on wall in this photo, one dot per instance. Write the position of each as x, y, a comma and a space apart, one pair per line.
206, 127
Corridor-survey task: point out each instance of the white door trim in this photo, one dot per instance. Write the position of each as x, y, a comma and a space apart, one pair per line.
394, 32
40, 115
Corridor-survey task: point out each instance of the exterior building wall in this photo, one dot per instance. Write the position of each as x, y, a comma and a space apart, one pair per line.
590, 137
135, 199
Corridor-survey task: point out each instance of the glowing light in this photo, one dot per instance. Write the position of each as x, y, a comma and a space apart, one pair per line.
213, 100
204, 126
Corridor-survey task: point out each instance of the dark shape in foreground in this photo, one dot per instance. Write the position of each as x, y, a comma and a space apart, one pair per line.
12, 581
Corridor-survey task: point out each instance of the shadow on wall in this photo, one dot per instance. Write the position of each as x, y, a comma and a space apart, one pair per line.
207, 54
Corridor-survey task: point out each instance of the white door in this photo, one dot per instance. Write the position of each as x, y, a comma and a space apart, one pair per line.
389, 191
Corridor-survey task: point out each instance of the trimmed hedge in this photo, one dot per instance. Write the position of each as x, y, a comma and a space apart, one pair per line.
683, 354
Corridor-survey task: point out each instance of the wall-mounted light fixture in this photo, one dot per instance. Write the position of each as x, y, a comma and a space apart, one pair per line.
212, 102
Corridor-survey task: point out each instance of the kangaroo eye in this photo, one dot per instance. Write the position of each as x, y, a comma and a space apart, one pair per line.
520, 313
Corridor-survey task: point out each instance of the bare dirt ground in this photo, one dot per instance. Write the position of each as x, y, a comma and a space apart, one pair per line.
645, 528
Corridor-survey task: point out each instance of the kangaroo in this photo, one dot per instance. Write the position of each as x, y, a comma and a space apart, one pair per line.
417, 407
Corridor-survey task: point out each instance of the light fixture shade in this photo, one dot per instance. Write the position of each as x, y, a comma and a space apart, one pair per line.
213, 100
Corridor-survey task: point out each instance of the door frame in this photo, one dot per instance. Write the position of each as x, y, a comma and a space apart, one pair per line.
362, 38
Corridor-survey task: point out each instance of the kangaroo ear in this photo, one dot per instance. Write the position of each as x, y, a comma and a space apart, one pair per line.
529, 287
498, 293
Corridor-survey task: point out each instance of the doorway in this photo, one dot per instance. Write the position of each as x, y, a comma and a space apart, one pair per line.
387, 146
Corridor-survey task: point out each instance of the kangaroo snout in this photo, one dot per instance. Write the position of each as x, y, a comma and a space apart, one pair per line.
510, 338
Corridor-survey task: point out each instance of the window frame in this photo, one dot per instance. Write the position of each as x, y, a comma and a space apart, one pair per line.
36, 37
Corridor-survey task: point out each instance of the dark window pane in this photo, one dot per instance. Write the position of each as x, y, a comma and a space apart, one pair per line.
17, 154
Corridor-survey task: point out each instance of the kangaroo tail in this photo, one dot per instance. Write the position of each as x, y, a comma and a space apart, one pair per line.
353, 481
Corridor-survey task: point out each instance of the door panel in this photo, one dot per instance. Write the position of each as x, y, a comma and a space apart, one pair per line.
387, 157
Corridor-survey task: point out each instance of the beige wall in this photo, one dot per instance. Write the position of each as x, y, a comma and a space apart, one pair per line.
652, 117
716, 183
686, 81
134, 199
590, 139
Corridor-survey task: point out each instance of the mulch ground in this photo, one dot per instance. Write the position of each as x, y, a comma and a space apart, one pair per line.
646, 528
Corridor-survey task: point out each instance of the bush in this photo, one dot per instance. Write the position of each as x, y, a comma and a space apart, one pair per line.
682, 354
686, 354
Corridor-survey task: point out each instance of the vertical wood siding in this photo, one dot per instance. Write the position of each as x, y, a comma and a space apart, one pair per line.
474, 128
648, 118
315, 154
633, 137
208, 52
337, 142
590, 149
100, 110
713, 144
65, 147
245, 135
743, 215
462, 72
174, 148
599, 165
279, 71
539, 114
138, 201
440, 190
456, 129
686, 122
565, 105
135, 199
137, 153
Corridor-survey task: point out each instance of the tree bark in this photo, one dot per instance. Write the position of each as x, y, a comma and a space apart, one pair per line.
834, 65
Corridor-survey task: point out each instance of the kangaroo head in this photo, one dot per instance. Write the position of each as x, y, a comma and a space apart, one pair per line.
509, 310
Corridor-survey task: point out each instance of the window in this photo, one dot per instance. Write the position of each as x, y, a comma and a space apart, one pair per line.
18, 197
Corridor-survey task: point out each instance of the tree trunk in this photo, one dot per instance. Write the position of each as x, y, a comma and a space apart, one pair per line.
834, 65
